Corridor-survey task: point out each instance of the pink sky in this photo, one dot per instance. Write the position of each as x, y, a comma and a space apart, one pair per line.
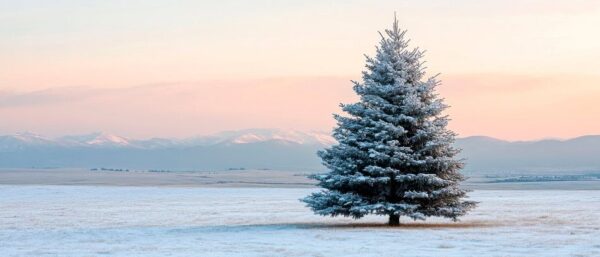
525, 70
486, 104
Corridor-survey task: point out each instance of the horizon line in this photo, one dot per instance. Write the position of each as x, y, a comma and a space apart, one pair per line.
100, 132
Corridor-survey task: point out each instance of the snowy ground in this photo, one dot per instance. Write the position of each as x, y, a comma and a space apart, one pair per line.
153, 221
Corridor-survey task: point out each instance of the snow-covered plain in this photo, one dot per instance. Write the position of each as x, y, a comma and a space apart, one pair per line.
162, 221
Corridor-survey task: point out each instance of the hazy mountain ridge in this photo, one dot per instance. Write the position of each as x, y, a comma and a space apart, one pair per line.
100, 139
252, 148
278, 149
490, 155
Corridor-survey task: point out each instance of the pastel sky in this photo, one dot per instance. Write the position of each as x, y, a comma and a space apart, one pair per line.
514, 70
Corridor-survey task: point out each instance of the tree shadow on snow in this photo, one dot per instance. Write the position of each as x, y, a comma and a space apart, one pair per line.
407, 225
355, 225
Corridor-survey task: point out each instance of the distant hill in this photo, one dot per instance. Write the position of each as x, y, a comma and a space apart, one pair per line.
490, 155
277, 149
251, 149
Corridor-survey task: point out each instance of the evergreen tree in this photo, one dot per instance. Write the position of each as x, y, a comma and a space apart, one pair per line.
394, 154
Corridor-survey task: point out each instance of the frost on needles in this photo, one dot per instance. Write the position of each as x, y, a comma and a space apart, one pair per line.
394, 155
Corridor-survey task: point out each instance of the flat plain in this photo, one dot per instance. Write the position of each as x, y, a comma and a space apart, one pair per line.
229, 219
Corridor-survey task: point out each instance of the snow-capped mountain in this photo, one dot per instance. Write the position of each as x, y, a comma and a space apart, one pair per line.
99, 139
252, 148
107, 140
23, 141
248, 136
275, 149
31, 138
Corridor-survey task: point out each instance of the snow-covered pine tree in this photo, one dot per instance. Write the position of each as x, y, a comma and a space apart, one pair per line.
394, 154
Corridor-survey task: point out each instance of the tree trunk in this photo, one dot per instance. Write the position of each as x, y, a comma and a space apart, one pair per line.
394, 220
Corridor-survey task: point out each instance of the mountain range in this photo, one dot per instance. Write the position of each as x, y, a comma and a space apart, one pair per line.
277, 149
252, 148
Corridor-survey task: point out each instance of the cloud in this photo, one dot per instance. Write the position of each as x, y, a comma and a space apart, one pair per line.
47, 96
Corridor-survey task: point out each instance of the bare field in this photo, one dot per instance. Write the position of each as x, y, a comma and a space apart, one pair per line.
229, 178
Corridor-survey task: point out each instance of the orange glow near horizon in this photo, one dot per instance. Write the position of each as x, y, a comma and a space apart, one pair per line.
500, 106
